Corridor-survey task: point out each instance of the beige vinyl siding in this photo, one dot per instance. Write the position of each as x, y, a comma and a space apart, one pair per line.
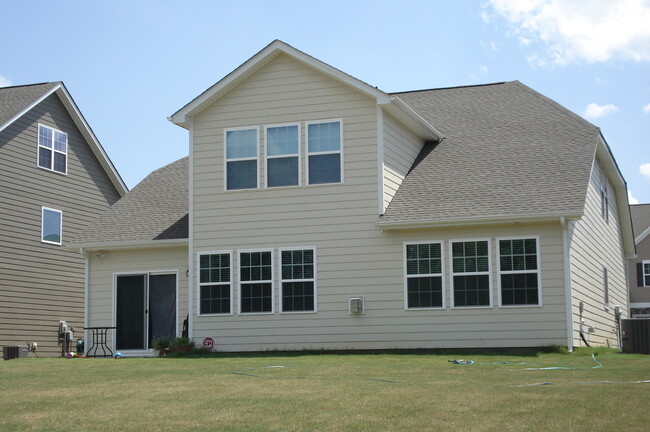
401, 148
596, 244
103, 271
40, 283
639, 294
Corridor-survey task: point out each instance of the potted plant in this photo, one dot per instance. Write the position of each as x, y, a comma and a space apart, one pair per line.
161, 344
182, 344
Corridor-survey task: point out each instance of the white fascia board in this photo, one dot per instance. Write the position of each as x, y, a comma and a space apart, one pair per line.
638, 239
29, 107
89, 135
478, 220
606, 158
276, 47
407, 116
134, 244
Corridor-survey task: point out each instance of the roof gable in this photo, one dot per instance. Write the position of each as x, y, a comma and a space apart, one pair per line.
395, 106
17, 101
641, 221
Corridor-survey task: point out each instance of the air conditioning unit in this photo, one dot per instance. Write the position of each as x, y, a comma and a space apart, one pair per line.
13, 352
356, 305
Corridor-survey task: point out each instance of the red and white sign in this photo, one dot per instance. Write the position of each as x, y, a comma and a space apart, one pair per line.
208, 343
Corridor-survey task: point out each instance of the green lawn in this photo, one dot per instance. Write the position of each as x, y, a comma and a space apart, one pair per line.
328, 392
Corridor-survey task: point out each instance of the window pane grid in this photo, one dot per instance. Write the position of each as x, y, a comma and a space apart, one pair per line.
256, 281
215, 283
646, 274
241, 159
324, 152
297, 275
519, 272
471, 270
424, 275
52, 149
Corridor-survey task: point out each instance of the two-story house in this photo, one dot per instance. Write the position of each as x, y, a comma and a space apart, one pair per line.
316, 211
639, 267
56, 178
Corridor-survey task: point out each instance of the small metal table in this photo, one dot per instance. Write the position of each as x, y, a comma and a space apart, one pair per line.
99, 338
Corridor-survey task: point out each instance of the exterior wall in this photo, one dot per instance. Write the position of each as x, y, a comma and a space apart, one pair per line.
354, 257
401, 148
639, 295
41, 283
103, 270
597, 244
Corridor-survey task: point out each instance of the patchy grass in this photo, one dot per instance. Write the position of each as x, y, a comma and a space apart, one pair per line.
412, 391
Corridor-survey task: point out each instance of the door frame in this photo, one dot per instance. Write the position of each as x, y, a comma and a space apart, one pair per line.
146, 273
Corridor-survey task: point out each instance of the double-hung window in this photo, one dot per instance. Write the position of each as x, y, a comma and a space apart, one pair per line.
256, 281
645, 271
282, 155
51, 225
424, 264
242, 147
325, 152
52, 149
298, 280
519, 272
471, 273
215, 283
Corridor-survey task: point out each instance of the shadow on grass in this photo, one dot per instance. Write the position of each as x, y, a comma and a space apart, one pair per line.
520, 352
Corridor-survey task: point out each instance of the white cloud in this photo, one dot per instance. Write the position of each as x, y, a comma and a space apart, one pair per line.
631, 199
646, 109
645, 170
484, 69
594, 110
570, 30
4, 82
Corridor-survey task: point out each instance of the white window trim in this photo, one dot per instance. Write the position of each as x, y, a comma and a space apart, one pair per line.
452, 274
442, 275
308, 153
226, 160
643, 264
538, 271
60, 225
314, 280
272, 281
38, 147
267, 157
199, 284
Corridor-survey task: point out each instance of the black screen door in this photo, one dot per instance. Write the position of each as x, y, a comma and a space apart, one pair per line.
130, 313
162, 306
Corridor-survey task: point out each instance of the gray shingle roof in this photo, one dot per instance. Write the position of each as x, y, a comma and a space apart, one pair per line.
156, 209
15, 99
640, 217
509, 151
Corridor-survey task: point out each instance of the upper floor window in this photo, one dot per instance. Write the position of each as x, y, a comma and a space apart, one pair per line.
519, 272
471, 273
282, 155
52, 149
645, 272
324, 152
51, 225
604, 197
241, 158
606, 286
424, 275
215, 283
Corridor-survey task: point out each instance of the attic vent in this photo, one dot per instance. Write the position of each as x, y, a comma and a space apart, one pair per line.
356, 305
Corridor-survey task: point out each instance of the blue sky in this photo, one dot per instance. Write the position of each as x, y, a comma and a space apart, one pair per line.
130, 65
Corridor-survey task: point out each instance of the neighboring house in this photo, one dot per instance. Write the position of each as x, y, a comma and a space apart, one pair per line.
56, 178
323, 213
639, 268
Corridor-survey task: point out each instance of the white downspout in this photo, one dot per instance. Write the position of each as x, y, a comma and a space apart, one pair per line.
190, 235
86, 297
568, 292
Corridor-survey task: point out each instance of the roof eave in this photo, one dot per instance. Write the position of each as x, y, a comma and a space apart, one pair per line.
406, 115
477, 220
130, 244
182, 116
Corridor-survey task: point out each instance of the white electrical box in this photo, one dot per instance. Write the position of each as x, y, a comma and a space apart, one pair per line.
356, 305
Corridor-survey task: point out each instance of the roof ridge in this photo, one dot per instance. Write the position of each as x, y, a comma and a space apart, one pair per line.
450, 88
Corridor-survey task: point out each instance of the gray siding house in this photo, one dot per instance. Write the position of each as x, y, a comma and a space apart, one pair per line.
639, 267
318, 212
56, 178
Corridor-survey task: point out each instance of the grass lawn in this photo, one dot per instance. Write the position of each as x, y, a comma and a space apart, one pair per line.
328, 392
